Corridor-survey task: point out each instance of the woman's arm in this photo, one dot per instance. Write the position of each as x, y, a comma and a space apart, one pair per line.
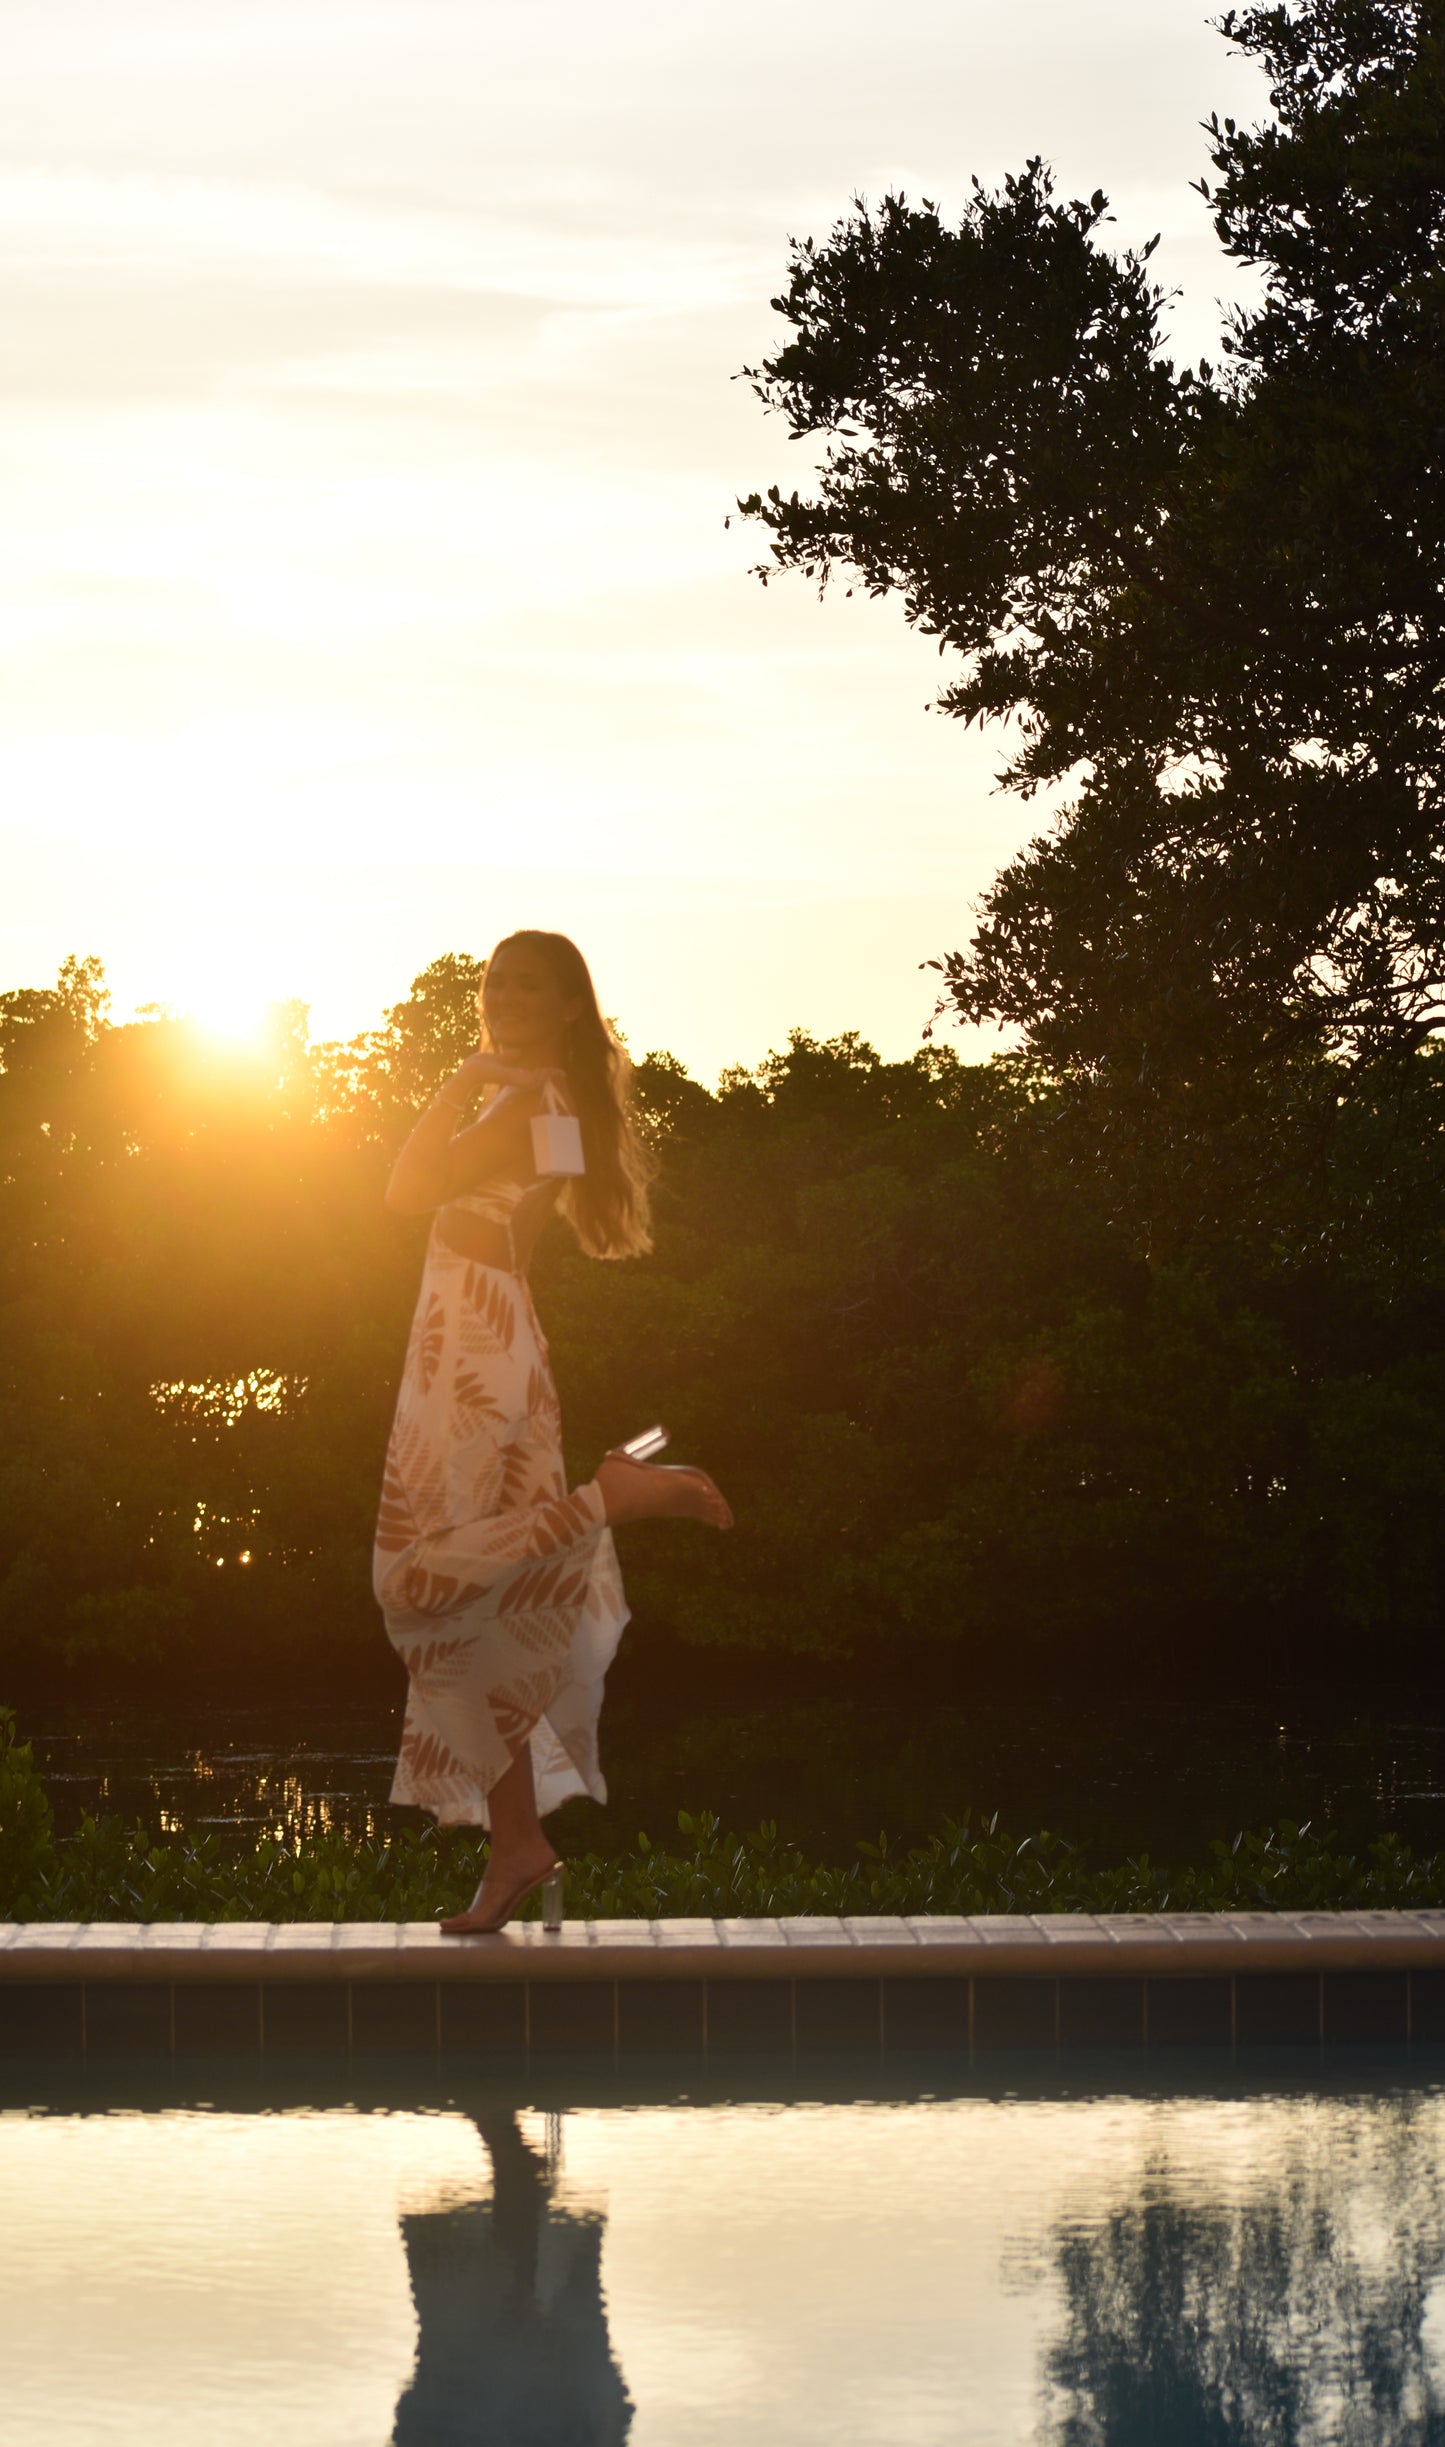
440, 1160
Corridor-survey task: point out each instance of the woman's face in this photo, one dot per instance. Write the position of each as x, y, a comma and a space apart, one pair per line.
523, 1005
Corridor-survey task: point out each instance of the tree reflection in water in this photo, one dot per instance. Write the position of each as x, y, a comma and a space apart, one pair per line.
513, 2348
1310, 2312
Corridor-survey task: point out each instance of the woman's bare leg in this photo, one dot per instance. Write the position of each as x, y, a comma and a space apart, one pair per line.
519, 1851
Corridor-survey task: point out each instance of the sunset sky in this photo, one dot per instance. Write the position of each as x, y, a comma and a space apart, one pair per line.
366, 444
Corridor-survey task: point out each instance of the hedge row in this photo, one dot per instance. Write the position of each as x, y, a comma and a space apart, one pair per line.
111, 1871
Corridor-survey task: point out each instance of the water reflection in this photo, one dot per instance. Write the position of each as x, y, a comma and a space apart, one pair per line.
1123, 1777
331, 1780
513, 2344
1311, 2310
1133, 2262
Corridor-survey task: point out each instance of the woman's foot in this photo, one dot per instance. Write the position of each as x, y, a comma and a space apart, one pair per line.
657, 1491
511, 1876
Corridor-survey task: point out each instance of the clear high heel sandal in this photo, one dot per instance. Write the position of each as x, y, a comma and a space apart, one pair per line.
550, 1884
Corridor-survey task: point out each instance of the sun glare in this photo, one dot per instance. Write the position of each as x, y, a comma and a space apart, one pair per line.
234, 1014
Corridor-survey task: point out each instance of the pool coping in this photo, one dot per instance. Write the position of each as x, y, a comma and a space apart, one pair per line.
1050, 1946
705, 1989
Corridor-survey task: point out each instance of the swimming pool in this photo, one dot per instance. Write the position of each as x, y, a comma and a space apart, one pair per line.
1116, 2257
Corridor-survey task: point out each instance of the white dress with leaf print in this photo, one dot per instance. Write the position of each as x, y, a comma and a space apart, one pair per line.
500, 1590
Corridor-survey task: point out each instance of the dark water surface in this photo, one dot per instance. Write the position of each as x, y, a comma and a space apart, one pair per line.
1120, 1776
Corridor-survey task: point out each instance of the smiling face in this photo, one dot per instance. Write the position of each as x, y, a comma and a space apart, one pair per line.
524, 1007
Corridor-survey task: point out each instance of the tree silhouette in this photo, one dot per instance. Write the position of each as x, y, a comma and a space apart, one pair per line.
1208, 597
1292, 2317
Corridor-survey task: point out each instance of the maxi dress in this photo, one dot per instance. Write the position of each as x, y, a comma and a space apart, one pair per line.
499, 1589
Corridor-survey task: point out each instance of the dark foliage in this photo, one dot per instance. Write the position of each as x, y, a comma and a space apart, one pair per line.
109, 1871
961, 1416
1208, 598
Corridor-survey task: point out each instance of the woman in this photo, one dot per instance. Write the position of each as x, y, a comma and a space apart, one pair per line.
500, 1590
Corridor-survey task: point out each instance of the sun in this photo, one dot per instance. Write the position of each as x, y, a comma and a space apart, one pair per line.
228, 1009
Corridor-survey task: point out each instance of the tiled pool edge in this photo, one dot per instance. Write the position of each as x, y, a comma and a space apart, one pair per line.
697, 1986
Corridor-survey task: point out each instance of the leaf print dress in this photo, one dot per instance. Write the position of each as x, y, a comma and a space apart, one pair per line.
500, 1590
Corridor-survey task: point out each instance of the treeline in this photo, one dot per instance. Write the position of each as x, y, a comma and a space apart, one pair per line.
978, 1421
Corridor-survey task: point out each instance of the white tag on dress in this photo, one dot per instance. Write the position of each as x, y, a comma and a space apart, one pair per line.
557, 1146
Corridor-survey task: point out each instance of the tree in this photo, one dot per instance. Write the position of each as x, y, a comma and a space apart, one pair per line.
390, 1071
1209, 598
947, 1399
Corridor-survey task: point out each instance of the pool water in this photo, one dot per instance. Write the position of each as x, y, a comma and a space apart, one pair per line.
1117, 2264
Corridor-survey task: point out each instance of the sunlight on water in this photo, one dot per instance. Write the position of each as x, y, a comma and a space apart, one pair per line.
240, 2276
991, 2270
227, 1399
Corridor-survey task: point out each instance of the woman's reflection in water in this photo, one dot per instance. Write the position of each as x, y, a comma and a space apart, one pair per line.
513, 2347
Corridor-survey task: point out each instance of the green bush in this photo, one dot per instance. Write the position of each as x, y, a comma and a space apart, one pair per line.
27, 1825
109, 1871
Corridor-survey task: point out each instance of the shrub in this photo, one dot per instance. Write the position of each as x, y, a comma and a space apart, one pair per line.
109, 1871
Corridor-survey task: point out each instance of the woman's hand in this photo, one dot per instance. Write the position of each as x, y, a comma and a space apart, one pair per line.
446, 1153
480, 1071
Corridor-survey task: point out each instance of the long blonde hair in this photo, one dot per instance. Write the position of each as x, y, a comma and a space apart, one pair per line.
607, 1206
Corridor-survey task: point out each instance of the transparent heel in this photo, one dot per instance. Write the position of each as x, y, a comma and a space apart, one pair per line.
552, 1901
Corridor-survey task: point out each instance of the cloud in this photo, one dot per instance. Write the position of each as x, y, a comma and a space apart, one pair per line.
57, 221
368, 436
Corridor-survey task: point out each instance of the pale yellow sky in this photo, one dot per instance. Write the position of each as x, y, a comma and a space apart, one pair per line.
365, 448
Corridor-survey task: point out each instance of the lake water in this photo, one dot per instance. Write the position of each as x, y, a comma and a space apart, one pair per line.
1124, 1775
1113, 2261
